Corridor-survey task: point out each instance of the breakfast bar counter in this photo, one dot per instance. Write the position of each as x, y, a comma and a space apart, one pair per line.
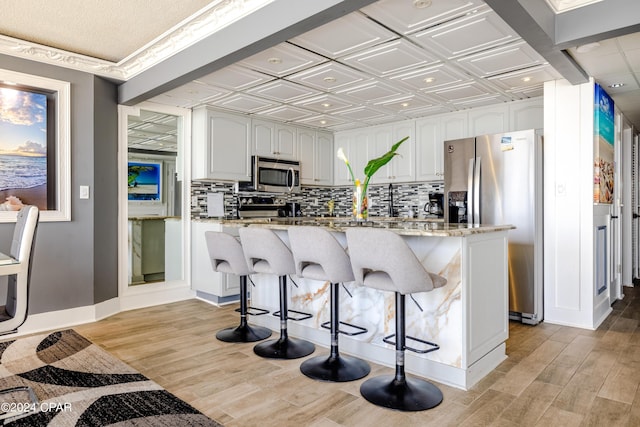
467, 318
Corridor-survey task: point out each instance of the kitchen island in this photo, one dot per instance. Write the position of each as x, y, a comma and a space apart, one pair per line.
468, 317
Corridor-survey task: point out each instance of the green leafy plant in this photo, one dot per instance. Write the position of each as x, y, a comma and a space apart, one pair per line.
360, 202
374, 164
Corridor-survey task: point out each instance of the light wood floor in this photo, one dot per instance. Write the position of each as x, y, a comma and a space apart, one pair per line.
554, 376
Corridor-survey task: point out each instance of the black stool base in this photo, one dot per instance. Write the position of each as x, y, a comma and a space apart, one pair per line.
335, 369
243, 333
289, 348
413, 394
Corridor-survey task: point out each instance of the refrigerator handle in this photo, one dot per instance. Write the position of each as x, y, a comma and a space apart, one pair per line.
476, 191
470, 192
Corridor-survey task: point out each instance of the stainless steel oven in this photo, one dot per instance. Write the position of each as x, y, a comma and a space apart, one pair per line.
275, 175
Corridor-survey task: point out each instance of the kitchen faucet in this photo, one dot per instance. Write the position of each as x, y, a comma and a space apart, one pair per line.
391, 209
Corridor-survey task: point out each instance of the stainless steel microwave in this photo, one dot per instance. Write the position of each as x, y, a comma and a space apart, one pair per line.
275, 175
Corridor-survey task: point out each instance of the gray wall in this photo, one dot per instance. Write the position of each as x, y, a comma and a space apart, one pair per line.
75, 263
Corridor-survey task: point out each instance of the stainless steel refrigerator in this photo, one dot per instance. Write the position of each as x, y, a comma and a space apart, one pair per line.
497, 179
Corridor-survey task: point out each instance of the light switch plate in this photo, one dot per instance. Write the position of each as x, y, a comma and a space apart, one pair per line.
84, 191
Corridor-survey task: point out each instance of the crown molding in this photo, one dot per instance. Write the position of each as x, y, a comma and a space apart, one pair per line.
209, 20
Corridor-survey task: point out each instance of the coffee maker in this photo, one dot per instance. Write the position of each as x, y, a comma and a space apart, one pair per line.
435, 205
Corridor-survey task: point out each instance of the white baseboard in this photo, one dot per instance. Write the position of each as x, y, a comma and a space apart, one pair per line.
61, 319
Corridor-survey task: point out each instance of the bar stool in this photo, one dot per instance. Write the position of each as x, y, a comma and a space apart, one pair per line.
265, 252
319, 256
227, 256
382, 260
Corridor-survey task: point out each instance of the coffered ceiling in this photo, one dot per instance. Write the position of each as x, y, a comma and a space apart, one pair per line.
390, 60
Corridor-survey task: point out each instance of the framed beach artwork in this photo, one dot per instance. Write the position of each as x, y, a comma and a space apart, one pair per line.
34, 146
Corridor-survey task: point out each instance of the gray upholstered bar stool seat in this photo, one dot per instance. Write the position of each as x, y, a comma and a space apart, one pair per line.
319, 256
227, 256
382, 260
265, 252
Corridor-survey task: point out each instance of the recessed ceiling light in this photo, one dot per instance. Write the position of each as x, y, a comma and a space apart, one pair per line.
326, 105
526, 79
587, 47
615, 85
430, 80
323, 122
421, 4
404, 104
329, 79
274, 60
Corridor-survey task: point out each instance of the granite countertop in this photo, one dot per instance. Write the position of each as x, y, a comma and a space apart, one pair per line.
152, 217
403, 226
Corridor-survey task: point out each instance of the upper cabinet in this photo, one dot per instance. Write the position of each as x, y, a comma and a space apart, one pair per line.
527, 114
489, 120
355, 147
273, 139
220, 145
315, 151
429, 146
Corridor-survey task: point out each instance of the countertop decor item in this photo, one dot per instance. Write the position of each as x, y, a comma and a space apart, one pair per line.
360, 199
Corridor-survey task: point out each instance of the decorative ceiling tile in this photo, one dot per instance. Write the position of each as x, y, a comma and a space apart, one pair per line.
321, 121
332, 40
472, 33
407, 104
282, 60
285, 113
463, 92
364, 114
236, 78
283, 91
406, 16
372, 92
511, 57
325, 103
244, 103
521, 79
329, 77
391, 57
429, 79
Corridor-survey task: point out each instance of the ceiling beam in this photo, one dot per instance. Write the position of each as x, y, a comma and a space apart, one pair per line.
270, 25
536, 23
596, 22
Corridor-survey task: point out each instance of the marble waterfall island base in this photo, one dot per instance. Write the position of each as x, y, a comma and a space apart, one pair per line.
468, 317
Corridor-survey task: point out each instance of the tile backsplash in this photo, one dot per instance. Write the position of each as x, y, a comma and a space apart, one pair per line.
313, 200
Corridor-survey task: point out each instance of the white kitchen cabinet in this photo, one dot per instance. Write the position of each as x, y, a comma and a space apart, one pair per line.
355, 146
402, 167
315, 152
429, 150
220, 145
489, 120
286, 141
454, 126
203, 278
526, 114
273, 139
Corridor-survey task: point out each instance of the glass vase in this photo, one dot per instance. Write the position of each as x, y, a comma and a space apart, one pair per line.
360, 205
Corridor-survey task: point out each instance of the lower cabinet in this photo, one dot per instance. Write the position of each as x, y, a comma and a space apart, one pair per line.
203, 278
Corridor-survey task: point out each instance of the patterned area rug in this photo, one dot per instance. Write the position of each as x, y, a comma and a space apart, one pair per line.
79, 384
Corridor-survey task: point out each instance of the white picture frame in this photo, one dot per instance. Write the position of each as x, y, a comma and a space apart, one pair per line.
62, 89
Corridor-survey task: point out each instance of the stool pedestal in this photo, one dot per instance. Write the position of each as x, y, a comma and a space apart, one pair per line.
243, 332
284, 347
397, 391
335, 368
